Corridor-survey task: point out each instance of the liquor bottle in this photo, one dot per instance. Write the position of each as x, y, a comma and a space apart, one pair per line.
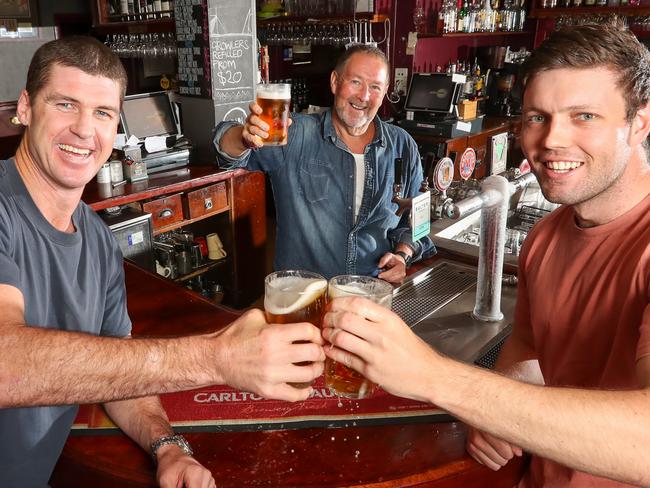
450, 16
419, 19
488, 17
497, 9
478, 80
166, 7
521, 19
462, 13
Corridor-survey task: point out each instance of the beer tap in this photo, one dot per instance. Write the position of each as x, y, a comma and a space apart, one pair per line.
403, 204
492, 201
441, 175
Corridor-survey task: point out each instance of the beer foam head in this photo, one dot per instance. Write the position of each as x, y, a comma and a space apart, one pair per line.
274, 91
287, 294
377, 291
349, 290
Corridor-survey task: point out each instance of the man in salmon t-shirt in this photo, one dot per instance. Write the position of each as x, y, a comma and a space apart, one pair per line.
575, 383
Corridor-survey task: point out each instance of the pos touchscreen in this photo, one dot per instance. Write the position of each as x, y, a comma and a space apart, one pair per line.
149, 114
432, 92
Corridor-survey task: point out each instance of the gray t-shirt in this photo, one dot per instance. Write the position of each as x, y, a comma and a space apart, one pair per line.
72, 282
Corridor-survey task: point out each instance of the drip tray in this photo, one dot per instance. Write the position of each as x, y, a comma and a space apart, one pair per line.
437, 303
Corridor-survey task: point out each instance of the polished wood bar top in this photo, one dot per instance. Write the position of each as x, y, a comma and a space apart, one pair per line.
396, 455
101, 196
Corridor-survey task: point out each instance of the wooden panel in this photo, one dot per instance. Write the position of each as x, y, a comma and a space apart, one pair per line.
206, 201
249, 236
165, 211
455, 148
483, 163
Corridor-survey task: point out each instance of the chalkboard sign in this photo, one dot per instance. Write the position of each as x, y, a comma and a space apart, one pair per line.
233, 57
193, 44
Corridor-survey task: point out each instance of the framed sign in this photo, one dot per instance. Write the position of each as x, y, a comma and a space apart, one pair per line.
499, 153
21, 10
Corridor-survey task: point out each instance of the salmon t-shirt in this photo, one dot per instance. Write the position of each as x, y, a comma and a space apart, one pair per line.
583, 297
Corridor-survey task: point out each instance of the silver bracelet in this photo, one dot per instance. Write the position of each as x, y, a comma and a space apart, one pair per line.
177, 439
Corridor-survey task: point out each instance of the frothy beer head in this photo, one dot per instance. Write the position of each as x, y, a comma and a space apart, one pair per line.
274, 99
288, 294
374, 289
274, 91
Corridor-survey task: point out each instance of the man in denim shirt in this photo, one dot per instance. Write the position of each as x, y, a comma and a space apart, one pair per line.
333, 181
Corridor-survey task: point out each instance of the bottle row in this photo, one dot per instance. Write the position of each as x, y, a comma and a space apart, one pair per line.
587, 3
471, 16
139, 10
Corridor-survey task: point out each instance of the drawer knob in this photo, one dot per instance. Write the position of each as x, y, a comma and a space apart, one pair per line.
165, 213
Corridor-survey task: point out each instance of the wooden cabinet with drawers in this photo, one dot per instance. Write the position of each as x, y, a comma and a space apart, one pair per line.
204, 200
166, 212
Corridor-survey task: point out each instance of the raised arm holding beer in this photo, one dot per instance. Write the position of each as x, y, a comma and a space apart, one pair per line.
333, 178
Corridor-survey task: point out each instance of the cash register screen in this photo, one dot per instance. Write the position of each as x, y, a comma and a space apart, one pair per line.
432, 92
148, 114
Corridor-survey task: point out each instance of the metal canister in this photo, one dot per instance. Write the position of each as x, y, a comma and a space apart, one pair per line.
104, 173
116, 171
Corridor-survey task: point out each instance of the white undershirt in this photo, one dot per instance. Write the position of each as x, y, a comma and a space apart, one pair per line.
359, 179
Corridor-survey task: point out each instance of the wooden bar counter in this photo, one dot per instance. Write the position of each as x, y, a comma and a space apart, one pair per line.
396, 455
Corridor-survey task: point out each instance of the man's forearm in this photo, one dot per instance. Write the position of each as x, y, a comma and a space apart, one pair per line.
143, 419
232, 143
602, 432
85, 369
518, 360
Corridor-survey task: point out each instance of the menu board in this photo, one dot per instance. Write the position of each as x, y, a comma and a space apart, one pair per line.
193, 44
233, 57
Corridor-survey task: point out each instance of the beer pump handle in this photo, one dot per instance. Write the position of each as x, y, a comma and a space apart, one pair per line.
398, 171
427, 182
402, 203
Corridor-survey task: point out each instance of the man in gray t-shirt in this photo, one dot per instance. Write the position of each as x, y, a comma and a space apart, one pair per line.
64, 326
83, 272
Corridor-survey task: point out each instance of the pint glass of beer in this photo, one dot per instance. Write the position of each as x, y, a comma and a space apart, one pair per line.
341, 380
294, 296
274, 98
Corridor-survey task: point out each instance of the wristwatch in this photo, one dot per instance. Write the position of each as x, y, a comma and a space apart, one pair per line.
177, 439
407, 259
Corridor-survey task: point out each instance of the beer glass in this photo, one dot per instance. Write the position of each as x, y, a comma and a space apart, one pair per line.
294, 296
341, 380
274, 98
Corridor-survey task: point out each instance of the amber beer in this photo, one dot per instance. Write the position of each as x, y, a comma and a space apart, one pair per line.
341, 380
294, 296
274, 98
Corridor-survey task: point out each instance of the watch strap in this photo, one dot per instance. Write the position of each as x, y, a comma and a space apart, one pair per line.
177, 439
407, 259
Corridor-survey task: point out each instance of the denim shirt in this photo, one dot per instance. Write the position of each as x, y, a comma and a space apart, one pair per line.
313, 181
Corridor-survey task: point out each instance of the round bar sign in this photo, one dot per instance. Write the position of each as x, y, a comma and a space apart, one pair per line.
443, 174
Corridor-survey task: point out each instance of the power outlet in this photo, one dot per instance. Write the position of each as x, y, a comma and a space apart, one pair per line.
399, 84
